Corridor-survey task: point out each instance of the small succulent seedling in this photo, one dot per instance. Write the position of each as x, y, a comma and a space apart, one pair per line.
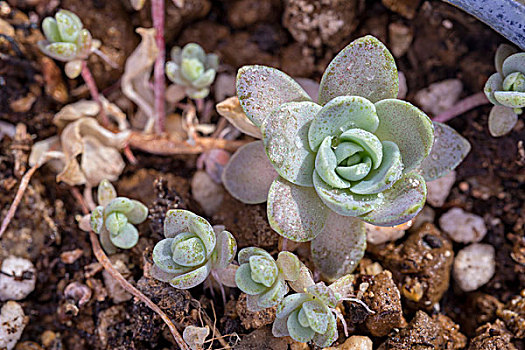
506, 90
115, 217
358, 153
192, 250
66, 40
263, 279
192, 69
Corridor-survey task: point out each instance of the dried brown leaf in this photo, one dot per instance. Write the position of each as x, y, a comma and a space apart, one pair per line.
232, 111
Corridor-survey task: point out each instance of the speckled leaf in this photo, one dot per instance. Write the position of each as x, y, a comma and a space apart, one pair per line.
105, 193
449, 149
317, 314
191, 278
120, 204
290, 265
69, 25
226, 276
343, 287
295, 212
274, 295
514, 63
226, 249
503, 51
244, 281
60, 51
115, 222
340, 114
162, 257
249, 174
138, 214
340, 246
178, 220
163, 276
344, 202
127, 237
323, 293
513, 99
285, 136
188, 252
364, 68
408, 127
368, 141
326, 339
298, 332
97, 219
290, 303
105, 242
279, 327
493, 84
263, 270
245, 254
304, 280
402, 202
262, 89
50, 29
501, 120
84, 42
202, 228
326, 163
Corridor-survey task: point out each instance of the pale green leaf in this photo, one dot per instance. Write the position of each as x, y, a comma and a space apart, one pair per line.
290, 265
105, 193
318, 315
127, 237
291, 303
298, 332
279, 327
326, 164
273, 295
50, 29
115, 222
245, 254
189, 252
303, 281
120, 204
244, 281
323, 293
493, 84
60, 51
192, 278
501, 120
263, 270
69, 25
514, 63
512, 99
163, 257
326, 339
368, 141
97, 219
138, 214
226, 249
502, 53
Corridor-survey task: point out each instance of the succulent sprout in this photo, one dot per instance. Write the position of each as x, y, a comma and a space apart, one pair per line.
115, 217
192, 69
263, 279
192, 250
506, 90
66, 40
358, 153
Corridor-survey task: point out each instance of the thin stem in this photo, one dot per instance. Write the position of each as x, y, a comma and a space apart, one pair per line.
93, 90
462, 106
108, 266
159, 88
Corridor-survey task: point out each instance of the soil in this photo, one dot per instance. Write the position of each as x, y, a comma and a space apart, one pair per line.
418, 305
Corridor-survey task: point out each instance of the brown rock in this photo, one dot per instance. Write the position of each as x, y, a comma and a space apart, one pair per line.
406, 8
422, 333
262, 339
241, 49
492, 336
482, 308
420, 265
245, 13
208, 34
452, 338
297, 60
513, 314
317, 23
251, 319
383, 297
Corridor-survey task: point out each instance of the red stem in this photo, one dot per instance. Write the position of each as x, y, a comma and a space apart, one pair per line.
93, 90
159, 88
462, 106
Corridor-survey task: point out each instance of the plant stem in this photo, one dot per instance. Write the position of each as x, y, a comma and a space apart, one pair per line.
159, 88
462, 106
93, 90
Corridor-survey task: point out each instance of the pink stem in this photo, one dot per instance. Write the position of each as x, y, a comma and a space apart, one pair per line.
90, 82
159, 88
462, 106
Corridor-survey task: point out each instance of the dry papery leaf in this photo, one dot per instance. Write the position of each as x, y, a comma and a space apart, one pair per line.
83, 135
232, 111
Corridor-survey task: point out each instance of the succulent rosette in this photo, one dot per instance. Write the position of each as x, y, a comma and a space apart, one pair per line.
192, 69
192, 250
357, 154
506, 90
66, 40
114, 219
263, 278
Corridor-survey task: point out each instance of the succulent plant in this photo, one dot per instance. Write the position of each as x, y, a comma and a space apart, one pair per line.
115, 217
506, 90
192, 250
192, 69
263, 279
66, 40
357, 154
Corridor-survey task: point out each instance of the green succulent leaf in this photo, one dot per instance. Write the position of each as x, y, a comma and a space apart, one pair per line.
340, 246
106, 243
326, 164
50, 29
493, 84
343, 201
448, 151
105, 193
501, 120
192, 278
163, 257
97, 219
401, 203
84, 43
364, 68
303, 281
285, 136
188, 252
512, 99
340, 114
226, 249
298, 332
178, 220
191, 68
244, 281
502, 53
60, 51
274, 295
323, 293
280, 328
295, 212
290, 303
408, 127
249, 174
69, 25
205, 79
263, 270
119, 204
368, 141
193, 51
514, 63
138, 214
126, 238
327, 338
343, 287
262, 89
290, 265
317, 314
246, 253
115, 222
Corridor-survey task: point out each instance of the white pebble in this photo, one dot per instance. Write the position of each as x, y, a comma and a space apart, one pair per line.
355, 342
380, 235
12, 324
439, 189
206, 192
474, 266
463, 227
440, 96
12, 286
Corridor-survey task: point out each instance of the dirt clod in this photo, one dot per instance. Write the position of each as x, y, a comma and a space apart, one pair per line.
253, 320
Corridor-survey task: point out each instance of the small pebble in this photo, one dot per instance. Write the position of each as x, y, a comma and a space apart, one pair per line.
71, 256
439, 189
355, 342
427, 214
206, 192
463, 227
400, 38
440, 96
18, 278
380, 235
474, 266
12, 324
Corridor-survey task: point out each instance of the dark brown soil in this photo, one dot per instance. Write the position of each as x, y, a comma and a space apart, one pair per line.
446, 43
